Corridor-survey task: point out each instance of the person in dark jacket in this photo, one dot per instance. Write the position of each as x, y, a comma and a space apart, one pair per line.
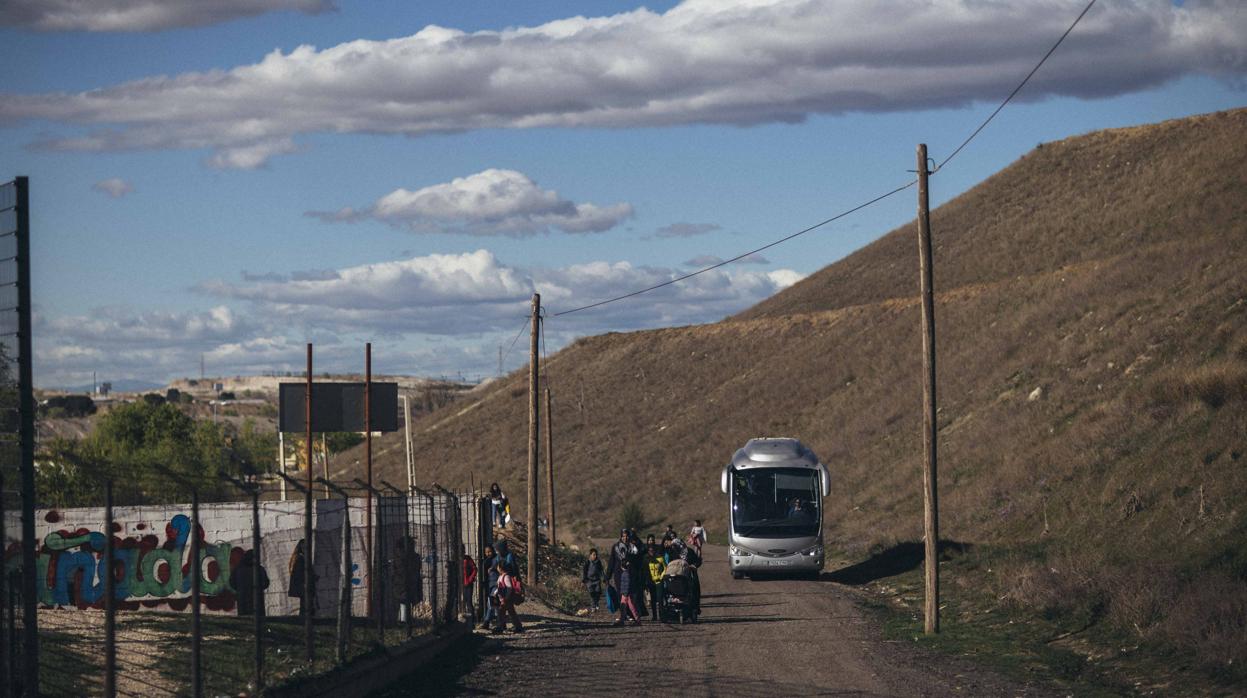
591, 576
242, 579
410, 575
299, 568
626, 559
504, 553
489, 563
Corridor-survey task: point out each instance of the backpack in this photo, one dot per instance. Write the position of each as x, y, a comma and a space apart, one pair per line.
517, 591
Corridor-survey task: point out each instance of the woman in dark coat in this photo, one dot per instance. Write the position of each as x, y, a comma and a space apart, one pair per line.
410, 577
242, 579
299, 568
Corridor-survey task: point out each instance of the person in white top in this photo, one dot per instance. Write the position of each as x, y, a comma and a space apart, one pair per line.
698, 533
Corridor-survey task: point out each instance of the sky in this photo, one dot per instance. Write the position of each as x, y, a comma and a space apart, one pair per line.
227, 181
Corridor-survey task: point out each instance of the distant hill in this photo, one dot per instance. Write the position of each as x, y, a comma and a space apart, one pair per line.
1092, 345
124, 385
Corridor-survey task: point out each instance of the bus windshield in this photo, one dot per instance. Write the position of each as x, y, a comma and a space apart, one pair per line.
775, 502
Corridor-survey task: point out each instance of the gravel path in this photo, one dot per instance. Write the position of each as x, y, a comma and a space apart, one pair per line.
772, 637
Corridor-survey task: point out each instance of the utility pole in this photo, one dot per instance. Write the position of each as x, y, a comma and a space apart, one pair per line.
930, 498
533, 417
500, 361
411, 468
550, 466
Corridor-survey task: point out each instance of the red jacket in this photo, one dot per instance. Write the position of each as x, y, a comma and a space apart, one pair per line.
469, 572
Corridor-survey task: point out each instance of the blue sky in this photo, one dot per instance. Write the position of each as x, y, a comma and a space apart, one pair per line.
194, 192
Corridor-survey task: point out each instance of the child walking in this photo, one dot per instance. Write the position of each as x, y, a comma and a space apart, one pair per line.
591, 575
627, 602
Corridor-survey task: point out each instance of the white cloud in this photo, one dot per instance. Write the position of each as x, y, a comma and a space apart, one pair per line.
492, 202
111, 326
703, 61
432, 315
475, 292
685, 230
114, 187
140, 15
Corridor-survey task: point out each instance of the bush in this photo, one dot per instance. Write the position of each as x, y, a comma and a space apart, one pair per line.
632, 516
1210, 618
69, 406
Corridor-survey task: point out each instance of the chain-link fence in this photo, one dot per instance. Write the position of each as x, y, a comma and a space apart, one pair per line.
18, 658
373, 586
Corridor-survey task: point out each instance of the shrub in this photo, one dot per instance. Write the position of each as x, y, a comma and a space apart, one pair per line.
1210, 618
69, 406
632, 516
1212, 384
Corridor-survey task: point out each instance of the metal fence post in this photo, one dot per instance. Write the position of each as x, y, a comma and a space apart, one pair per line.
257, 588
196, 628
454, 556
433, 557
485, 534
344, 595
6, 620
110, 600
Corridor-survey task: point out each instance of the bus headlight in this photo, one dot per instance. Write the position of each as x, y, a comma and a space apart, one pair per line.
739, 552
816, 551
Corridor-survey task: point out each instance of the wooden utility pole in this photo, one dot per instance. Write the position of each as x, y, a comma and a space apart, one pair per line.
550, 467
930, 498
533, 417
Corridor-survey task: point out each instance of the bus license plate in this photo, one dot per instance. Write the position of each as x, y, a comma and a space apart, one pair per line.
779, 563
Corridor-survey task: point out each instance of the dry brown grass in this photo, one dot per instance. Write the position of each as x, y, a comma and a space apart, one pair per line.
1102, 275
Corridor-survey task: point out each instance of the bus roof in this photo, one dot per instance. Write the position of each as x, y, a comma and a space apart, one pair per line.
774, 453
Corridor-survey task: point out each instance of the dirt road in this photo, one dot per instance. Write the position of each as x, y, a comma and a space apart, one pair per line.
772, 637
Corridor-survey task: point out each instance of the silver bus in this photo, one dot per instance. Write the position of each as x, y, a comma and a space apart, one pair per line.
775, 489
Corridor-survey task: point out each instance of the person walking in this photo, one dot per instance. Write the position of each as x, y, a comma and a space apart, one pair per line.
655, 567
503, 548
469, 587
489, 563
627, 594
298, 569
510, 593
498, 499
409, 576
699, 534
242, 579
591, 575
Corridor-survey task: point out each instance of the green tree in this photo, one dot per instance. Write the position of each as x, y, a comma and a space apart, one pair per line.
153, 451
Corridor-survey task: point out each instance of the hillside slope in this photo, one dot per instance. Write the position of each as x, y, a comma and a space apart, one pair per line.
1092, 346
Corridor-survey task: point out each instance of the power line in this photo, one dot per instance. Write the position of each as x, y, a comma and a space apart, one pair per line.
860, 206
738, 257
1017, 89
513, 341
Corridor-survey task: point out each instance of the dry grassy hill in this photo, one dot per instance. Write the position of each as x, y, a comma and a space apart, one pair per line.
1092, 332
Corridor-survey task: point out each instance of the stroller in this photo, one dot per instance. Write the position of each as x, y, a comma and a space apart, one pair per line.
681, 600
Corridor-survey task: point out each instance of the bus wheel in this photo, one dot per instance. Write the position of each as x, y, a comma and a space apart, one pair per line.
737, 575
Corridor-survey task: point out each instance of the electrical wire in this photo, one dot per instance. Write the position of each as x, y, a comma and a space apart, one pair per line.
739, 257
860, 206
503, 362
1017, 89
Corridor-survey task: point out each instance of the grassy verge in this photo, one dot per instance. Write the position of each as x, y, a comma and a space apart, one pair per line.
154, 652
1072, 648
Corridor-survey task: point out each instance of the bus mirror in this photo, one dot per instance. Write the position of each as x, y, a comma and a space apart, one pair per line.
826, 478
723, 479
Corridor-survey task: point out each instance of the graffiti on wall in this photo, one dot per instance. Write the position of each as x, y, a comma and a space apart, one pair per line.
146, 571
